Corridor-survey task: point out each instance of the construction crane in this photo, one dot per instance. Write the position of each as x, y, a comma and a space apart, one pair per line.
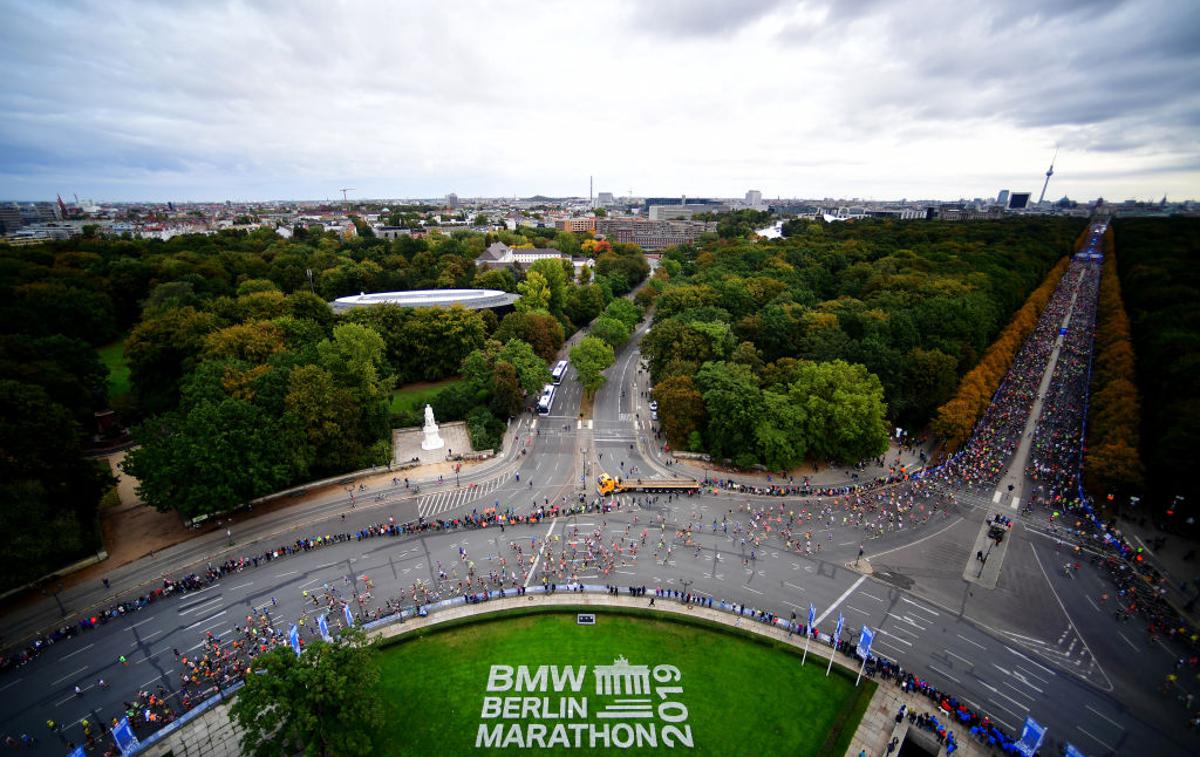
344, 190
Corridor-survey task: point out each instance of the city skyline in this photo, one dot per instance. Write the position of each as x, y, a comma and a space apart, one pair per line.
204, 102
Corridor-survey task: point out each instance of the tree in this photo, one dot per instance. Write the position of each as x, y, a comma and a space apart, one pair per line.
535, 294
161, 350
735, 406
680, 407
541, 330
323, 702
507, 395
843, 409
589, 358
612, 331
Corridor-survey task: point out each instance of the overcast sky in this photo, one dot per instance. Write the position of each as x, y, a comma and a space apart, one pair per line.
254, 100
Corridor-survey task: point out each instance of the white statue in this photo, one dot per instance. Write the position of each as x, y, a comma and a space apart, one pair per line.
432, 439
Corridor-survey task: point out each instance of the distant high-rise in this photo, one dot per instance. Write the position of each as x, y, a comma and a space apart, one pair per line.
452, 200
10, 218
605, 199
1049, 173
1002, 198
754, 198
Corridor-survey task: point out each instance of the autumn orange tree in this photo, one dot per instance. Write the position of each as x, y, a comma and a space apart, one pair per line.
1112, 464
957, 417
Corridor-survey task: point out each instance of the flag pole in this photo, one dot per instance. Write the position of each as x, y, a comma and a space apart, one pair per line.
832, 652
807, 636
860, 671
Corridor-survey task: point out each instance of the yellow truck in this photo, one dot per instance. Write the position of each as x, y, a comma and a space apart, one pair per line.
606, 485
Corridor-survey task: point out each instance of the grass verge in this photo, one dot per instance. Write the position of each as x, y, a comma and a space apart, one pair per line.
412, 396
744, 694
113, 357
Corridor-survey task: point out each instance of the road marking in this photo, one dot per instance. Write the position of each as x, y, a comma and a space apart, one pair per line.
1028, 660
204, 606
911, 622
939, 532
308, 583
205, 620
919, 606
839, 600
996, 497
872, 596
993, 703
964, 638
157, 677
893, 636
1096, 739
855, 609
1127, 641
10, 684
538, 558
960, 659
944, 673
1101, 714
145, 638
1018, 691
1016, 501
794, 586
999, 693
242, 586
141, 622
906, 632
77, 651
289, 573
881, 642
748, 588
69, 675
1092, 603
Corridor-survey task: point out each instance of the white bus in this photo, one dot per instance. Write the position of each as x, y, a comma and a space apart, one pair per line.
559, 371
546, 400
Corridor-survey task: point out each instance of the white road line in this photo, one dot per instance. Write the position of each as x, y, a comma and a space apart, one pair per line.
839, 600
920, 606
999, 693
1127, 641
538, 558
309, 583
872, 596
1018, 691
756, 591
996, 497
1063, 607
911, 622
1092, 602
939, 532
145, 638
289, 573
204, 606
906, 632
794, 586
77, 651
855, 609
1096, 739
157, 677
242, 586
1031, 662
10, 684
941, 672
205, 620
960, 659
964, 638
893, 636
156, 654
993, 703
881, 642
1101, 714
141, 622
69, 675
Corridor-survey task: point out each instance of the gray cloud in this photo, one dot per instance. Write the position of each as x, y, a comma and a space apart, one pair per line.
700, 18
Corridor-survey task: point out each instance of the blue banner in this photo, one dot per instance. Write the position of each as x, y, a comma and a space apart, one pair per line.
1073, 752
837, 634
122, 734
864, 642
349, 615
78, 752
812, 615
1031, 737
323, 627
294, 639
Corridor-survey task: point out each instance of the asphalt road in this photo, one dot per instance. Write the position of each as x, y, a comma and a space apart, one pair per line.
1038, 644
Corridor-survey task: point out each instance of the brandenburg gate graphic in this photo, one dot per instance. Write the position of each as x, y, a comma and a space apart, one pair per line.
622, 678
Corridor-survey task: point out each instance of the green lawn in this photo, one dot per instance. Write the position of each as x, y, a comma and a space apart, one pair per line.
741, 696
113, 356
413, 396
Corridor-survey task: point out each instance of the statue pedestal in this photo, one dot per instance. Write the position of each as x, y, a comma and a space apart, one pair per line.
432, 439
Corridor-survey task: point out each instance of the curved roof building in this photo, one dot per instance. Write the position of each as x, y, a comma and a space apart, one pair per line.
472, 299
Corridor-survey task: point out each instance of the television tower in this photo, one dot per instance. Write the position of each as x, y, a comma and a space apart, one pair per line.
1049, 173
591, 200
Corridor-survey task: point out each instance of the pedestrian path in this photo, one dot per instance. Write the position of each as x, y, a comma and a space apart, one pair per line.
443, 501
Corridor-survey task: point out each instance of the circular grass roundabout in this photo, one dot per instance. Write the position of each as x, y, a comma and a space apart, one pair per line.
635, 682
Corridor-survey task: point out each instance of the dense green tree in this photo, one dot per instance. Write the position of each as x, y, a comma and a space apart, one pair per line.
541, 330
161, 350
589, 358
611, 330
734, 405
535, 294
324, 702
844, 411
